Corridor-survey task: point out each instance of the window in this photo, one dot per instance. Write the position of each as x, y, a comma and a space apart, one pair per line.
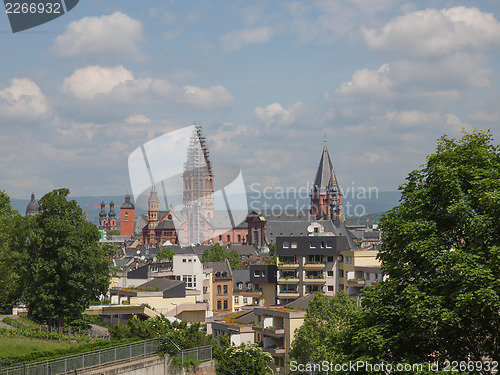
190, 280
376, 276
228, 238
263, 273
219, 289
245, 299
313, 245
236, 299
294, 245
225, 289
184, 261
256, 273
330, 259
330, 273
225, 304
341, 273
219, 305
126, 216
329, 244
286, 245
220, 237
239, 237
330, 288
240, 285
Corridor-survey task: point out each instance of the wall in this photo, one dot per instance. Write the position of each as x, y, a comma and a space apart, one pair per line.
160, 304
150, 365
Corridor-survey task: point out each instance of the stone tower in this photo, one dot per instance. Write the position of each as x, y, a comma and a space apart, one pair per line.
326, 197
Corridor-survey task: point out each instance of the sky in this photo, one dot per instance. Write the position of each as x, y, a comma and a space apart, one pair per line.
383, 79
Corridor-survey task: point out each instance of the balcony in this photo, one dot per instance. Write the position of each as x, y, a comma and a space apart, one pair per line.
314, 266
270, 331
287, 266
314, 280
277, 351
288, 280
288, 295
356, 283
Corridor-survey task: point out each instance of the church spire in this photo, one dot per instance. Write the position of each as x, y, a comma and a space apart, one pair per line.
325, 192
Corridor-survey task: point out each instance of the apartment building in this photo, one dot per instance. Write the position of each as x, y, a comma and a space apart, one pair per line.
308, 264
357, 269
264, 280
222, 286
275, 329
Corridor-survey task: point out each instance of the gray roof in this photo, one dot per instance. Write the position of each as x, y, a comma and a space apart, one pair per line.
302, 302
161, 284
241, 276
222, 270
243, 250
299, 228
248, 318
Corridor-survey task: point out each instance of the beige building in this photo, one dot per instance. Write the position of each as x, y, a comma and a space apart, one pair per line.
275, 329
355, 267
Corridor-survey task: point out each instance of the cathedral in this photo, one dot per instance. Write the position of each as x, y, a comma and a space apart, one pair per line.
198, 222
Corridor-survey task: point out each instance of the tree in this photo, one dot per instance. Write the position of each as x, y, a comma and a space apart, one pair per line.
325, 329
67, 268
13, 233
441, 252
217, 253
244, 360
165, 253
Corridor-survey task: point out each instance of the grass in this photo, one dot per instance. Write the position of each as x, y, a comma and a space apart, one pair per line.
14, 346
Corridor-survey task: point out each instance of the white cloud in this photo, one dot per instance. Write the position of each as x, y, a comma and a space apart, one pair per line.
118, 85
116, 35
207, 98
234, 40
369, 82
433, 32
23, 100
137, 119
87, 82
274, 114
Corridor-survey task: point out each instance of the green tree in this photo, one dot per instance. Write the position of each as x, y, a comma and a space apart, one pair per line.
217, 253
67, 268
244, 360
165, 253
441, 252
326, 327
13, 234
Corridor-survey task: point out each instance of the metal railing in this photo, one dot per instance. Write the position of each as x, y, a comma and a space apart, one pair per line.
200, 354
85, 360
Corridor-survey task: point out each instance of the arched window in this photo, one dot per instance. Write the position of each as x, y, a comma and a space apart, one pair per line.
219, 289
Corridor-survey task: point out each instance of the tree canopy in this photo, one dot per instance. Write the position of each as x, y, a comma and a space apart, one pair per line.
13, 234
441, 252
67, 268
217, 253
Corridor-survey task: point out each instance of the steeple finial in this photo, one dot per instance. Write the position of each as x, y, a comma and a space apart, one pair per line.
325, 136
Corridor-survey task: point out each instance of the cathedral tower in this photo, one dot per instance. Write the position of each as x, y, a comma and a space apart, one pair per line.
112, 216
198, 192
326, 198
103, 222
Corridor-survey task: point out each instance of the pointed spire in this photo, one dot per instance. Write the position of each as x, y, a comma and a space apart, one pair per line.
324, 180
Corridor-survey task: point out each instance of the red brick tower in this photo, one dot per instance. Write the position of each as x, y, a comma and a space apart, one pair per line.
127, 217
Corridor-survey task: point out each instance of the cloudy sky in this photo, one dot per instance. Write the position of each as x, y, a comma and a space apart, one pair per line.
266, 79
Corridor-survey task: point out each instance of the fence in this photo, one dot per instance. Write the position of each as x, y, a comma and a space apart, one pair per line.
200, 354
89, 359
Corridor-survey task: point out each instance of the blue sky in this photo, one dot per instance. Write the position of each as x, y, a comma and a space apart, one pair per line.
266, 79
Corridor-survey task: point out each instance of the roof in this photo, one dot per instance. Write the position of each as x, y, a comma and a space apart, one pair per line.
325, 176
241, 276
221, 270
160, 284
243, 250
300, 228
